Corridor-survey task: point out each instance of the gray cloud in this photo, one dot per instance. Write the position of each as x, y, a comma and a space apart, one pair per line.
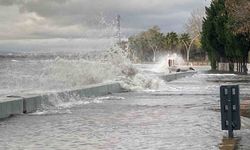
9, 2
86, 18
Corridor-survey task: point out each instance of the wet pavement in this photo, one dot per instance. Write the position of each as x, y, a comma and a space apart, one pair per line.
179, 115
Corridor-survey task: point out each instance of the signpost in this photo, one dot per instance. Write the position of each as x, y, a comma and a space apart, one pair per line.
230, 108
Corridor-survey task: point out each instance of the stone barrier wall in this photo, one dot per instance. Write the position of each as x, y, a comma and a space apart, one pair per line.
30, 103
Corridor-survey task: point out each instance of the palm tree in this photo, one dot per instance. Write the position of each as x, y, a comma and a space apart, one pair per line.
173, 40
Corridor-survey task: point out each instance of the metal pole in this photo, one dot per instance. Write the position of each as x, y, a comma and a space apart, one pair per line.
119, 28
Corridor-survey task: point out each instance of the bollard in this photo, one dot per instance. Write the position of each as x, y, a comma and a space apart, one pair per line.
230, 108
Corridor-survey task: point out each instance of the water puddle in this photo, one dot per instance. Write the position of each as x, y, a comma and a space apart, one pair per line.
229, 143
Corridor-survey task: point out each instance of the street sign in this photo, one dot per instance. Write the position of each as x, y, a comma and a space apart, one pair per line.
230, 108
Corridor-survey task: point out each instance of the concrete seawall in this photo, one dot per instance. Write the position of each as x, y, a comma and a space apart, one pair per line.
14, 105
177, 75
10, 106
20, 104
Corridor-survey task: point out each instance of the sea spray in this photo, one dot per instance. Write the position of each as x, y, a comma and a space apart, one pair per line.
62, 69
77, 73
38, 76
130, 77
164, 62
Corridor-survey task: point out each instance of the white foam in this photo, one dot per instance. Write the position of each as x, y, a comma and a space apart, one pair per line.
50, 112
163, 66
110, 98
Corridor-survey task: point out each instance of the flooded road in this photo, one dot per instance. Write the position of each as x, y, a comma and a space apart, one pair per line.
179, 115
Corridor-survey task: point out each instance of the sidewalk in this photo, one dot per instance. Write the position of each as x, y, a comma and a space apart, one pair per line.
245, 108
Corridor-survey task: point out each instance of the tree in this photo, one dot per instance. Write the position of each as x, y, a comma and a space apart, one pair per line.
147, 43
171, 41
239, 10
136, 44
218, 39
153, 38
194, 23
194, 28
208, 35
213, 37
185, 40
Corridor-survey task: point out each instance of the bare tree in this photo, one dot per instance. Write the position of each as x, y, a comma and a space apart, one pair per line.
240, 11
194, 22
194, 27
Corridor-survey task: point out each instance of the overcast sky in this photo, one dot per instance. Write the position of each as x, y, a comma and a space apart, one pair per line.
54, 19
